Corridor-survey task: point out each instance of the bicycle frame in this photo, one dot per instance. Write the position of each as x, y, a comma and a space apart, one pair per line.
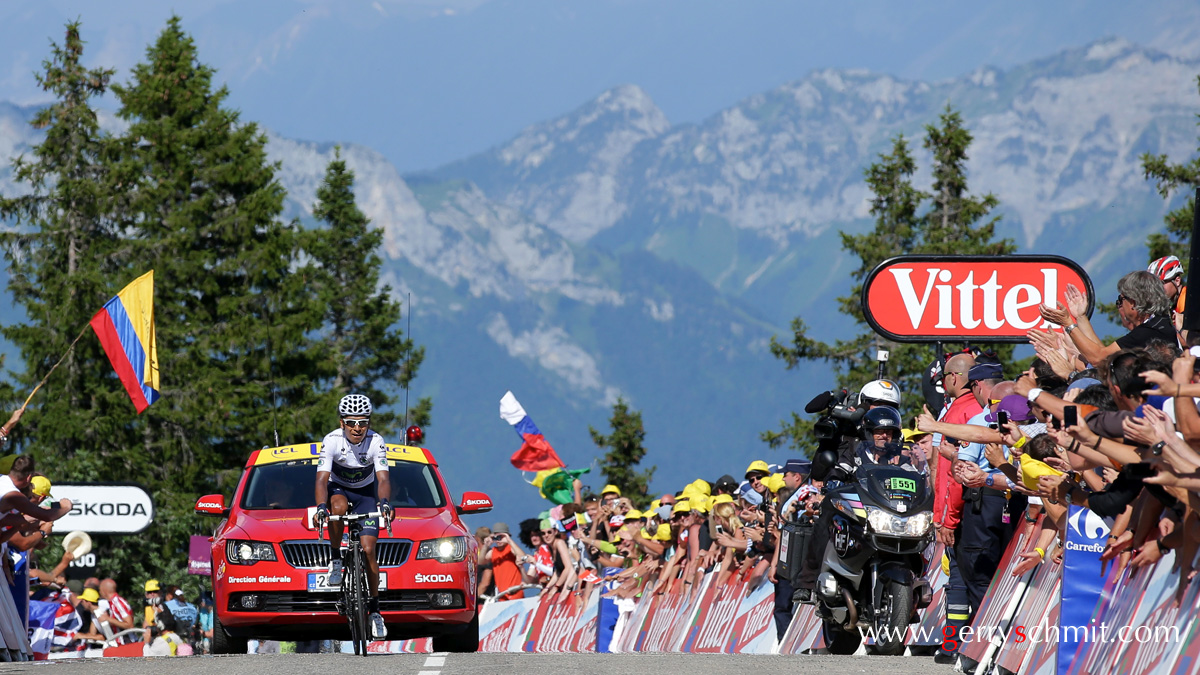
353, 601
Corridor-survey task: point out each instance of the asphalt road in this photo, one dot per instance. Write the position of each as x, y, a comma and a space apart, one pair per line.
485, 664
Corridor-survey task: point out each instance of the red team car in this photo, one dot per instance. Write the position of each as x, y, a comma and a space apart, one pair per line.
269, 569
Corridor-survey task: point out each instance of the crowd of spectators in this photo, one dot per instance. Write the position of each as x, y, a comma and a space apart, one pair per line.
90, 613
1107, 425
730, 524
1110, 426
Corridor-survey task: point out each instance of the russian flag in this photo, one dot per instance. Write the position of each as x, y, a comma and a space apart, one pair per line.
535, 453
125, 327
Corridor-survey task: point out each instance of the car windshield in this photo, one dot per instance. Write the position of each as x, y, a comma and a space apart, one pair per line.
289, 485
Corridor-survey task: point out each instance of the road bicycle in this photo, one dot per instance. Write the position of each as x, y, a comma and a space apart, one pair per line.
352, 602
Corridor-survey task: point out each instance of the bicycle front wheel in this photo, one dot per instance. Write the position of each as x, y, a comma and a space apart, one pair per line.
359, 618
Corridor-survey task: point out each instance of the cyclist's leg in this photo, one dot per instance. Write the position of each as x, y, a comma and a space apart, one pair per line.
368, 544
339, 504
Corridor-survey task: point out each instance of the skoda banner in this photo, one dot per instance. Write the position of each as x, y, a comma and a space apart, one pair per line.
1082, 582
104, 508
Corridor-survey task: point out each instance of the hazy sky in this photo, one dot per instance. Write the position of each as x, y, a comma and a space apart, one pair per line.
429, 81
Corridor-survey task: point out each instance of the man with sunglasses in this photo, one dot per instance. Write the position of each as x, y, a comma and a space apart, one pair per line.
352, 476
1144, 309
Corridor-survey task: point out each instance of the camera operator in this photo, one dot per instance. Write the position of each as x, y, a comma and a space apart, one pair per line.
840, 430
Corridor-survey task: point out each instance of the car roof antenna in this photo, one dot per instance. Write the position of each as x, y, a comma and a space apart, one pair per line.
406, 382
274, 389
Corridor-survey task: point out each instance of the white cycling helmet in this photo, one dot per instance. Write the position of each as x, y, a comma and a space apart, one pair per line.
881, 391
354, 405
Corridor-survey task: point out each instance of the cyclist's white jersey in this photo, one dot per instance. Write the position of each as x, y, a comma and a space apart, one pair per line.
351, 465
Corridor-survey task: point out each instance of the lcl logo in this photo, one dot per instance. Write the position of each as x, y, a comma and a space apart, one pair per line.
994, 298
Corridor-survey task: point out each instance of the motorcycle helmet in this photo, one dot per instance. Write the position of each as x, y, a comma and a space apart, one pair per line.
880, 392
881, 418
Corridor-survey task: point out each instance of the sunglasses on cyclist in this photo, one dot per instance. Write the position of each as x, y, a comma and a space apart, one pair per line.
361, 424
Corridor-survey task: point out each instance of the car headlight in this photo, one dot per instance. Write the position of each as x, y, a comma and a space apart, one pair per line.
243, 552
446, 549
883, 522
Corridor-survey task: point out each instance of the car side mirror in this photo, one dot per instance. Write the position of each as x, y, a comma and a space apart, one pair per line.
212, 505
823, 463
474, 502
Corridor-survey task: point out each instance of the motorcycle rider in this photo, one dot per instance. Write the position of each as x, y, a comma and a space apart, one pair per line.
877, 395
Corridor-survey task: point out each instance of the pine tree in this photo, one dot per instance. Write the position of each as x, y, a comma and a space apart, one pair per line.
625, 451
951, 225
368, 353
202, 207
62, 271
1168, 178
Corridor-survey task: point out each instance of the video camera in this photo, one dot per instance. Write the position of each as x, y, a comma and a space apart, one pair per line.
842, 414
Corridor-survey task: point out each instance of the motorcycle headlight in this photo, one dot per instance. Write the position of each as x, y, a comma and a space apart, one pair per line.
446, 549
242, 552
883, 522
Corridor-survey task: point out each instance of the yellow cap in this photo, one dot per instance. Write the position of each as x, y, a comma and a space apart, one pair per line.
1032, 469
700, 503
633, 514
90, 595
701, 486
41, 486
688, 492
910, 434
758, 466
720, 499
610, 488
654, 505
664, 533
152, 586
774, 482
682, 506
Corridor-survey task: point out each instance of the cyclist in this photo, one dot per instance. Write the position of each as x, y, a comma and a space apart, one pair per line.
352, 476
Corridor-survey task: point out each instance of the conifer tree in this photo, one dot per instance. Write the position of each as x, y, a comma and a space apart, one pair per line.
368, 353
625, 450
951, 225
200, 204
61, 272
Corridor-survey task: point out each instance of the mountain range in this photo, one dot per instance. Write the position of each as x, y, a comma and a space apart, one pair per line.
610, 253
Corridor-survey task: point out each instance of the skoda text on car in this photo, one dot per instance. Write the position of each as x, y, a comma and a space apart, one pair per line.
269, 570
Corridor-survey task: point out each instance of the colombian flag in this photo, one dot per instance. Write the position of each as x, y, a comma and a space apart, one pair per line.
126, 330
535, 453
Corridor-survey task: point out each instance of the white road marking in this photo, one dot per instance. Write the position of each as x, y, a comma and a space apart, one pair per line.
430, 672
440, 654
433, 661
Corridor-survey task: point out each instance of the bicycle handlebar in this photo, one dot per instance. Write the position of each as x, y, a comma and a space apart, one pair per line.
350, 518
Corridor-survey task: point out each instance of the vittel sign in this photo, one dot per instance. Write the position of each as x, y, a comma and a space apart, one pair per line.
920, 298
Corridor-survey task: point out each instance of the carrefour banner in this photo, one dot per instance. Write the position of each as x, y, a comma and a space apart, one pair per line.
1082, 582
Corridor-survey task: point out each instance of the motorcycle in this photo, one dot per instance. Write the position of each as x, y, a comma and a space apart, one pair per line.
872, 571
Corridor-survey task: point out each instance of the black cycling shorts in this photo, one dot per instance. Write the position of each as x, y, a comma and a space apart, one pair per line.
362, 500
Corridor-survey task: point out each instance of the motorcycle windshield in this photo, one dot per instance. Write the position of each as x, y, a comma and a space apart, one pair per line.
887, 479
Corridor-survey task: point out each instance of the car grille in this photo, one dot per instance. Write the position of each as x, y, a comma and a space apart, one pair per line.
313, 554
302, 601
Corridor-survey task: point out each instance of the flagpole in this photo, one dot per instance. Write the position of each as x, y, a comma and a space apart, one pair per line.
64, 358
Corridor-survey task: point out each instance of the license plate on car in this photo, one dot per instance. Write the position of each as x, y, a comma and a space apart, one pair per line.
318, 582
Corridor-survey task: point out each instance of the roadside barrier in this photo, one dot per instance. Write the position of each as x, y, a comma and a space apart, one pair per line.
1136, 624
